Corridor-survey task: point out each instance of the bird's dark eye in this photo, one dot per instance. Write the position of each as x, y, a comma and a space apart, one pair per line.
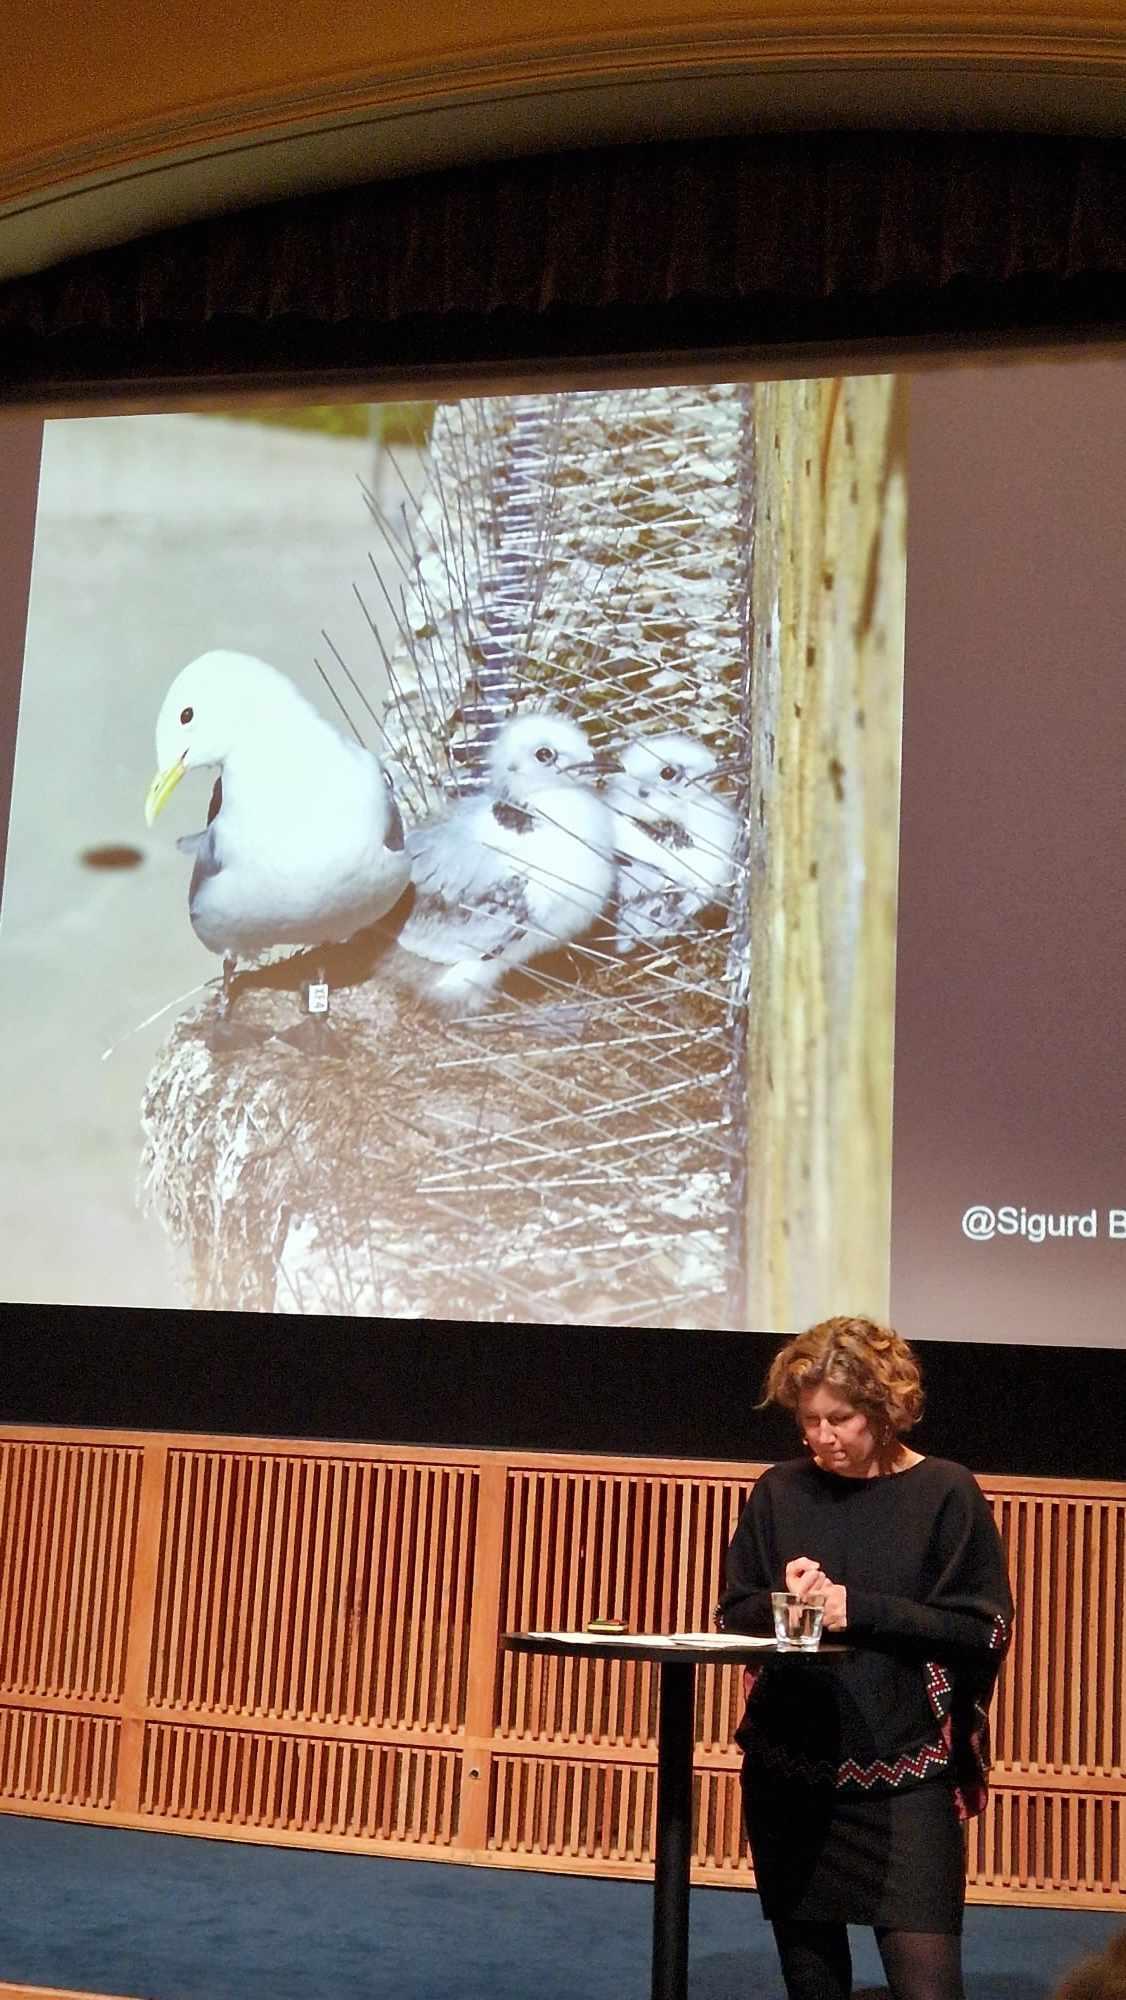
186, 714
669, 772
544, 755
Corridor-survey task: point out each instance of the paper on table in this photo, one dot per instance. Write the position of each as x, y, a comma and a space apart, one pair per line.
722, 1642
597, 1638
719, 1642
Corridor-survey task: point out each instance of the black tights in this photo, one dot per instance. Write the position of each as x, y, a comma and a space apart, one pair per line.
920, 1965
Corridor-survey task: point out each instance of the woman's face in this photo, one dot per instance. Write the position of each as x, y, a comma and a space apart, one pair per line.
839, 1435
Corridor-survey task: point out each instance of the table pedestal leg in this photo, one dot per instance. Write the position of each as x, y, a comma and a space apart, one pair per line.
676, 1733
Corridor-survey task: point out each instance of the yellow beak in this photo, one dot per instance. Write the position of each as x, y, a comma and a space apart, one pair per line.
161, 789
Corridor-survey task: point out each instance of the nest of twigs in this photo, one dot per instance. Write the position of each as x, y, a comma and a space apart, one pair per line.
405, 1165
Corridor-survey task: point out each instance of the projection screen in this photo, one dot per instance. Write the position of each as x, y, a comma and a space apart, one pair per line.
733, 932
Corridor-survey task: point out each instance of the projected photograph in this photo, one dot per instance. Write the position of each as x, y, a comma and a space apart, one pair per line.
452, 862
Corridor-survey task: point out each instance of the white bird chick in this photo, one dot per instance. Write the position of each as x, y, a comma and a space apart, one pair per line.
674, 839
520, 869
304, 844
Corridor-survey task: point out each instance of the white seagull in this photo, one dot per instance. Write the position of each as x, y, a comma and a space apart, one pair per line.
674, 839
521, 868
304, 844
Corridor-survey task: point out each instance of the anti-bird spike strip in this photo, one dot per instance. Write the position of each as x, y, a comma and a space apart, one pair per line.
576, 1150
612, 579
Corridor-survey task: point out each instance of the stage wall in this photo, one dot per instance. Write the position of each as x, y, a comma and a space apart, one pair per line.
300, 1644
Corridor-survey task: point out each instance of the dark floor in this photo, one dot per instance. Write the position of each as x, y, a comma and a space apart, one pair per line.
171, 1918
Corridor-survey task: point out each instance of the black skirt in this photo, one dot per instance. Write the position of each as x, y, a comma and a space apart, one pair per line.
826, 1857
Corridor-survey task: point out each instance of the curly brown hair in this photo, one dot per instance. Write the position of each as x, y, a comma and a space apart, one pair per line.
870, 1365
1102, 1978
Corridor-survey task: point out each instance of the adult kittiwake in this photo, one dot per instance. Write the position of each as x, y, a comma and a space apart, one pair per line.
673, 837
304, 845
521, 868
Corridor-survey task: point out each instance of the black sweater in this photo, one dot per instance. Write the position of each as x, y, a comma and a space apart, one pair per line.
928, 1609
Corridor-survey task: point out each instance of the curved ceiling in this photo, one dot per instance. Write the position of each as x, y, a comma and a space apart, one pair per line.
122, 118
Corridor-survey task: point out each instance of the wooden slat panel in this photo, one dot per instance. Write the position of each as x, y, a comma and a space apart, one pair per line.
1030, 1847
574, 1812
720, 1848
314, 1588
232, 1778
1062, 1701
65, 1760
1062, 1847
212, 1649
580, 1813
585, 1544
68, 1516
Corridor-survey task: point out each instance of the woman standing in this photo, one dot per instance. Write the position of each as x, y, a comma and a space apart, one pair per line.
859, 1771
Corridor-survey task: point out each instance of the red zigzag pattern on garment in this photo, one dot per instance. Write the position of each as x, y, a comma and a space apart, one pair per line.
934, 1756
911, 1764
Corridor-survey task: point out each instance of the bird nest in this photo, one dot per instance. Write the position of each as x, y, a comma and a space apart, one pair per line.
574, 1151
506, 1167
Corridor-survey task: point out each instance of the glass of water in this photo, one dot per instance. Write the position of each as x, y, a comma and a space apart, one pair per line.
797, 1621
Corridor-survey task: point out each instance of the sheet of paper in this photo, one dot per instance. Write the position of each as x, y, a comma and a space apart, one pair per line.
596, 1638
718, 1642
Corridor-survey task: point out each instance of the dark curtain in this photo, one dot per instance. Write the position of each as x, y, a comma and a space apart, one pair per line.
756, 242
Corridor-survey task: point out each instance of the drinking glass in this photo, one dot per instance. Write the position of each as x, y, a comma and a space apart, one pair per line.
797, 1621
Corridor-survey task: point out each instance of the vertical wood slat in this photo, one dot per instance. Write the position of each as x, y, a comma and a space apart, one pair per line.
490, 1534
137, 1661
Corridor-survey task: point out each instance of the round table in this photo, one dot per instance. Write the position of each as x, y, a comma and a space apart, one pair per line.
677, 1656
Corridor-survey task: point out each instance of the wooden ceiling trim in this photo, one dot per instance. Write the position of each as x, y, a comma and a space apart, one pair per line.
174, 122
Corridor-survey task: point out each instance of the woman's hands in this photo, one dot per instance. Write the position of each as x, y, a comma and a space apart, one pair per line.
808, 1581
835, 1601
